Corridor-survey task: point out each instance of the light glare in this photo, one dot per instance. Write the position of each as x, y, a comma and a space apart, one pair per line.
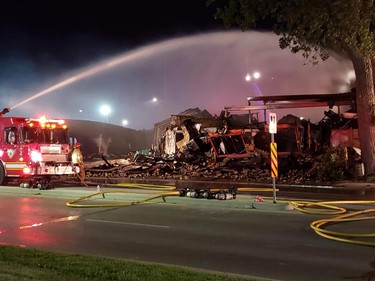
105, 110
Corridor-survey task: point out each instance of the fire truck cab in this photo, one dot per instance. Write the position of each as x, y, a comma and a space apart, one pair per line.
33, 151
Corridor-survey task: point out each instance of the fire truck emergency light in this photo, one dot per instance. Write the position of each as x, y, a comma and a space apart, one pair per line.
43, 119
47, 123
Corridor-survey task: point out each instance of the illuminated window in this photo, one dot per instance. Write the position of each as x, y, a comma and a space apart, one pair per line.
11, 136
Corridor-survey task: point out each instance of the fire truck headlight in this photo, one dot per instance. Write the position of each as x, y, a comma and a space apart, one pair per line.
36, 156
27, 171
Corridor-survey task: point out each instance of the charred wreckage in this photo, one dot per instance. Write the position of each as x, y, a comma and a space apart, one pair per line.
235, 145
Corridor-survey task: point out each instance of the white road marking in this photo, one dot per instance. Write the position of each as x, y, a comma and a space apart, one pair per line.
131, 223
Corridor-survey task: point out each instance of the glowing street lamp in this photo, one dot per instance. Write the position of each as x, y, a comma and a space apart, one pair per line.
250, 78
125, 122
81, 114
255, 75
105, 110
154, 99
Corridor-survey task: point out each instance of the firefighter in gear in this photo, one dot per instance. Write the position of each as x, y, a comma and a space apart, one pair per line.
77, 157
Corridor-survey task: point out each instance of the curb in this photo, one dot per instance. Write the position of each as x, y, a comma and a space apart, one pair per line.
269, 206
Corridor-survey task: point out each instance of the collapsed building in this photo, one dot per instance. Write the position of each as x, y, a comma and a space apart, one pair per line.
236, 144
242, 131
235, 135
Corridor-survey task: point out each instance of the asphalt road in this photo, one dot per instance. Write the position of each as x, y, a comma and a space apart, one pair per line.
278, 245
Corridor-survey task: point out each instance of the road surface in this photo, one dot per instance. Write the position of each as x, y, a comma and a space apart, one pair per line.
278, 245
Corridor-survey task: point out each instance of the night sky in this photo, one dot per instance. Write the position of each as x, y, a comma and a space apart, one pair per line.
173, 50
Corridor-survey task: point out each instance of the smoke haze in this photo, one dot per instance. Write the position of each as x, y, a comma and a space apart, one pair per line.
206, 70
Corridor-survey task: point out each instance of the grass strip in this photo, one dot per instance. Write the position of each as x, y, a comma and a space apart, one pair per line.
30, 264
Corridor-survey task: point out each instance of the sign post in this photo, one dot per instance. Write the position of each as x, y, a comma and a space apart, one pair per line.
272, 128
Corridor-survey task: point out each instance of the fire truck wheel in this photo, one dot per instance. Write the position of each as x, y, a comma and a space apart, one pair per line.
3, 180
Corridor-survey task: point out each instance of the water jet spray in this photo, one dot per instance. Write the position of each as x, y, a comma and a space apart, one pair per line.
203, 70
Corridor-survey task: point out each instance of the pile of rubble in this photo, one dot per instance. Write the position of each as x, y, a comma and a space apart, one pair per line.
255, 168
188, 150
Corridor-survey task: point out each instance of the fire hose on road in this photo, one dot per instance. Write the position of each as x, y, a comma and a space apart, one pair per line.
330, 208
317, 208
75, 203
212, 193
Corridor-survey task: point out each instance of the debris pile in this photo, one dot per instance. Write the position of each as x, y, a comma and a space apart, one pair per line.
223, 150
254, 168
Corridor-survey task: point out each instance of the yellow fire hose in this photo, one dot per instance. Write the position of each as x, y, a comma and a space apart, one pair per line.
319, 225
317, 208
75, 203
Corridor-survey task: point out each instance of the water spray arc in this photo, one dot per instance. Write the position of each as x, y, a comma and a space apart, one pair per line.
199, 70
92, 71
129, 57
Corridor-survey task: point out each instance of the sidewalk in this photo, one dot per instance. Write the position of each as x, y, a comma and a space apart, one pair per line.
244, 199
123, 195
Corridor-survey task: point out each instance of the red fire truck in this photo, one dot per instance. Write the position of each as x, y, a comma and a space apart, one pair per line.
33, 151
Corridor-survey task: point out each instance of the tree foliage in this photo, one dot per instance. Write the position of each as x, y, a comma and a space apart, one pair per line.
306, 26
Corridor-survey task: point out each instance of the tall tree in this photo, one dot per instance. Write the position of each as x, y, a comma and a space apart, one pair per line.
312, 27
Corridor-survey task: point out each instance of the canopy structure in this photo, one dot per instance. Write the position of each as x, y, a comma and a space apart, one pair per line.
294, 101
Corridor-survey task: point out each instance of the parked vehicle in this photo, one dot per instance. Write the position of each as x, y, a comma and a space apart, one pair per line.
33, 151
